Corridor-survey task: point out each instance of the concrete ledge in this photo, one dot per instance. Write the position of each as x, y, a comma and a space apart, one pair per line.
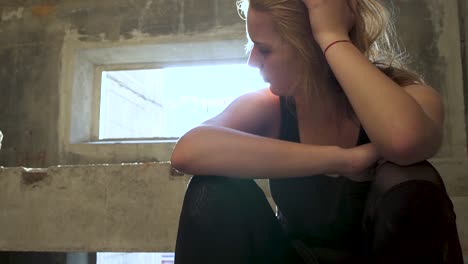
120, 208
129, 207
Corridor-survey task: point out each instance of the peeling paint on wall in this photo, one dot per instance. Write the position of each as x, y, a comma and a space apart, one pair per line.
12, 13
42, 10
31, 178
25, 157
144, 13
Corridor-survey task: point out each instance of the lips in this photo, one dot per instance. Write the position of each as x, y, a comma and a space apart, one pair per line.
265, 79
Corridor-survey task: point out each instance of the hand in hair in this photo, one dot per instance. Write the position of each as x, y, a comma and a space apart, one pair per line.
331, 20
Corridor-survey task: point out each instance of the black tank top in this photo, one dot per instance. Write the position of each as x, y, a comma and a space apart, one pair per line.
319, 210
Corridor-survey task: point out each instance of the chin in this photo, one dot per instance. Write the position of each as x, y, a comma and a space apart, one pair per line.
278, 92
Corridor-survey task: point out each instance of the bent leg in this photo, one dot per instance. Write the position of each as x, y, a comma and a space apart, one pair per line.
225, 220
409, 217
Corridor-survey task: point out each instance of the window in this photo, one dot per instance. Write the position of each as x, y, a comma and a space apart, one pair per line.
89, 131
167, 102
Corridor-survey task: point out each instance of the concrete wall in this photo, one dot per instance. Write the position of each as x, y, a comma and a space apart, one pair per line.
31, 43
35, 37
123, 208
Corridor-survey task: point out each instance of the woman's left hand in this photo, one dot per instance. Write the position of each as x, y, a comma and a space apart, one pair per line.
331, 20
357, 161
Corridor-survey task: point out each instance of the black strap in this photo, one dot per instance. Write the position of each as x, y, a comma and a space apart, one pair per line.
289, 129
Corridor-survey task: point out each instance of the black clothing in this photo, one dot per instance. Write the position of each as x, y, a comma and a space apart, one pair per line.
319, 210
403, 216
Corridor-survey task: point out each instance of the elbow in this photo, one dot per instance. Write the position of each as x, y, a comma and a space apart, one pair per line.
403, 155
178, 161
187, 156
182, 155
412, 148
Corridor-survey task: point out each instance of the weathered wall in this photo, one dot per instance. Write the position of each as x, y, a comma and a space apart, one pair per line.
463, 5
33, 32
133, 208
32, 35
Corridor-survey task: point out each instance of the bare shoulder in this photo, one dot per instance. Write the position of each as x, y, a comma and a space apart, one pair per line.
256, 113
429, 100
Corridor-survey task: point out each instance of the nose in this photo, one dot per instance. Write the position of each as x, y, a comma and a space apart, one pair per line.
254, 58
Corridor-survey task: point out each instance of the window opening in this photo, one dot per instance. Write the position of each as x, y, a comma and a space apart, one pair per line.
167, 102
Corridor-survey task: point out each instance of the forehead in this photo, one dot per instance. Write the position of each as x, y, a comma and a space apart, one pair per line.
260, 27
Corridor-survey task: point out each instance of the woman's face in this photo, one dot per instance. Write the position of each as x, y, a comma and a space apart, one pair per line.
276, 60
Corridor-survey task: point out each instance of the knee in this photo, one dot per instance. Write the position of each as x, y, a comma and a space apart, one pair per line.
218, 186
388, 175
214, 195
411, 196
411, 219
409, 199
207, 191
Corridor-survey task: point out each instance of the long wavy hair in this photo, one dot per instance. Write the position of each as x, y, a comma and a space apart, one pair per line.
373, 34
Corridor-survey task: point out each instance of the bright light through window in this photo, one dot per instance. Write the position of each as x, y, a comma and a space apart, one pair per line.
166, 103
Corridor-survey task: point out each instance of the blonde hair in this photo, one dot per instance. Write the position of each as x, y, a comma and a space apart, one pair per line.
373, 34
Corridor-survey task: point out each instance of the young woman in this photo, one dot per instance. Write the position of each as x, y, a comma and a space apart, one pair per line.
342, 133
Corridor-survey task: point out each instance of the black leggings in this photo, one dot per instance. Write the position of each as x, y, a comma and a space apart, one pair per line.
408, 219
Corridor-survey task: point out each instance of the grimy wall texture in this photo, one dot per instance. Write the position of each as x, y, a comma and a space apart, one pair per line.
33, 32
34, 35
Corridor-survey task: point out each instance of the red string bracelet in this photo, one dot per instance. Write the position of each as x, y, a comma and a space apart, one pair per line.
333, 43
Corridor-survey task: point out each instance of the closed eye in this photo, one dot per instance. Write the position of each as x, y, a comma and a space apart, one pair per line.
264, 51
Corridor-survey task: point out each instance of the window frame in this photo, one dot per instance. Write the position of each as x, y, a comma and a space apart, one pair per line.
81, 62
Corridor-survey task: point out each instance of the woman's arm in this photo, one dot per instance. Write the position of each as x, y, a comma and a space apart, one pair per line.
216, 150
405, 124
237, 143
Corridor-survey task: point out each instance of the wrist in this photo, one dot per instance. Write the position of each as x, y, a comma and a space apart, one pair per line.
337, 160
325, 40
